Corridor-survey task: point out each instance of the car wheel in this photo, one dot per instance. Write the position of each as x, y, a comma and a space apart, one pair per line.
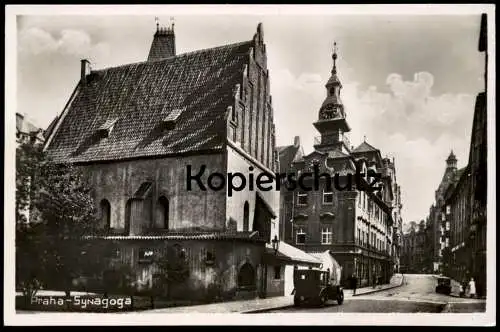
323, 299
340, 298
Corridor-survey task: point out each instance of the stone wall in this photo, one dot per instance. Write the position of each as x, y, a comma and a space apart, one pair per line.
118, 182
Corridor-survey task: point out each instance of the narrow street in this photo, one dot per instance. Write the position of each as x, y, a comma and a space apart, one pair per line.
417, 294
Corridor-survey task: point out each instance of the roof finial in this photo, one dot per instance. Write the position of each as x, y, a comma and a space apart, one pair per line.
172, 22
334, 57
157, 23
364, 138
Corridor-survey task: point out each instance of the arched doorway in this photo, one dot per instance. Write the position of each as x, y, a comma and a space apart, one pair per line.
246, 277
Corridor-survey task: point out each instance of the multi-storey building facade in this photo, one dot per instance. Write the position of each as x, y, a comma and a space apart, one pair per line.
465, 206
355, 225
287, 155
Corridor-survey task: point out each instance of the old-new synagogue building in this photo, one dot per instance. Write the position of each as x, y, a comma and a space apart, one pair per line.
136, 128
360, 229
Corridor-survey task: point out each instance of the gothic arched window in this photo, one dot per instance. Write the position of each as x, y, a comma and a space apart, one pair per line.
246, 217
128, 210
162, 209
105, 214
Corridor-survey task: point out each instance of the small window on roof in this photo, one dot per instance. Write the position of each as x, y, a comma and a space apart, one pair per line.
172, 117
106, 128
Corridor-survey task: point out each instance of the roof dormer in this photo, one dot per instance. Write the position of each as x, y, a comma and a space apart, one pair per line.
171, 119
107, 127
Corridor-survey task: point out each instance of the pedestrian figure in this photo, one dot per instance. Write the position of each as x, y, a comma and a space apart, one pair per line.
462, 291
374, 281
354, 284
472, 288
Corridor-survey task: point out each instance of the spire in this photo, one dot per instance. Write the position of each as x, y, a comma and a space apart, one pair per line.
332, 106
334, 79
163, 45
334, 57
332, 123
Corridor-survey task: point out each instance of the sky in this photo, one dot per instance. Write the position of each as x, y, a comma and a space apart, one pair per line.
409, 82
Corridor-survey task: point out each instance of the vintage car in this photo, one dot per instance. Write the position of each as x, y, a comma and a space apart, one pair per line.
443, 285
315, 287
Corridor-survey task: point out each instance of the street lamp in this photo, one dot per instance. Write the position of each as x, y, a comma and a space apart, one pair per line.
276, 243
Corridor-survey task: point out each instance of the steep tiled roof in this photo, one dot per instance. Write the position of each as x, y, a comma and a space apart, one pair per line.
51, 127
196, 86
287, 155
364, 147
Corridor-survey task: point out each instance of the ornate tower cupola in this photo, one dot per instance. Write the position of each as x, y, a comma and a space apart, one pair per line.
163, 45
332, 123
451, 162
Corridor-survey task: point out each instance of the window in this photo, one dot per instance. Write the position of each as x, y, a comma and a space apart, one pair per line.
128, 216
146, 255
232, 111
327, 197
326, 235
106, 214
302, 198
243, 115
359, 236
209, 257
277, 272
301, 236
162, 212
448, 209
246, 214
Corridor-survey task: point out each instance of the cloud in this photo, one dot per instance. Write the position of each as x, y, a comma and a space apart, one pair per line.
416, 127
76, 43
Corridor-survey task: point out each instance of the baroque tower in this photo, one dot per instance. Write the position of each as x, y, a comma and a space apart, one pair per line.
332, 123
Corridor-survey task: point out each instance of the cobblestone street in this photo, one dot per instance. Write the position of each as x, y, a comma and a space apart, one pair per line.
417, 294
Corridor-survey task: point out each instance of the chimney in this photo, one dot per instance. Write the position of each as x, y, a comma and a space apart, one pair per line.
163, 45
296, 141
85, 69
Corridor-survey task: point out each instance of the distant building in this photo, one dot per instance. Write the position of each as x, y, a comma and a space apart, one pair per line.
135, 128
27, 132
416, 250
435, 212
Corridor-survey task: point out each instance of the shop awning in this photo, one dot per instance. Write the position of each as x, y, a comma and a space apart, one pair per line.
289, 254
